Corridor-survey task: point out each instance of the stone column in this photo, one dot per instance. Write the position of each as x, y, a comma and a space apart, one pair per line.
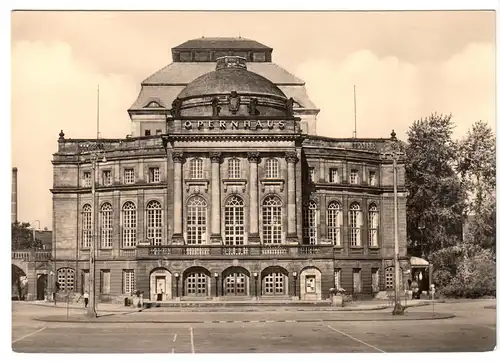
291, 159
178, 159
321, 171
253, 237
215, 237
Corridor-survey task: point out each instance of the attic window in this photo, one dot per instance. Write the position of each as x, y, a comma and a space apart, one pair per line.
202, 56
185, 56
241, 54
221, 54
153, 104
259, 57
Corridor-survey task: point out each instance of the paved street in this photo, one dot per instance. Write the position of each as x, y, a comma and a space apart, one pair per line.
473, 329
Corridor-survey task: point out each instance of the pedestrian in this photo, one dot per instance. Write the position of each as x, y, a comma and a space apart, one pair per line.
86, 298
414, 289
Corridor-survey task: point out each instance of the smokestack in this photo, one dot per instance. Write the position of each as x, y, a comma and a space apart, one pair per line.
13, 211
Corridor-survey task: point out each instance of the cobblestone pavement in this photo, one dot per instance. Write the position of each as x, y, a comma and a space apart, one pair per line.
473, 329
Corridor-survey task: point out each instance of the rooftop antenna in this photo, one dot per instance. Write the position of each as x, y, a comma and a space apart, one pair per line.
355, 126
98, 133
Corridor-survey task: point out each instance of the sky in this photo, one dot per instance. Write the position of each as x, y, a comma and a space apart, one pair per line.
405, 65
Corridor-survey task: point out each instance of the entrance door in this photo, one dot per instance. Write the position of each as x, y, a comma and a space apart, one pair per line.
274, 284
235, 284
161, 287
41, 286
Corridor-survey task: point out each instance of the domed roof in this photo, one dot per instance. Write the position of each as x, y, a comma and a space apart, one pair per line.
230, 75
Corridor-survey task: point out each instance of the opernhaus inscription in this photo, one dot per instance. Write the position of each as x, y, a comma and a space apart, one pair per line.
244, 124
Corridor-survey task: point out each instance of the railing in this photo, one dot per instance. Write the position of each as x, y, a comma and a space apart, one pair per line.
274, 250
283, 250
310, 249
31, 255
234, 250
127, 252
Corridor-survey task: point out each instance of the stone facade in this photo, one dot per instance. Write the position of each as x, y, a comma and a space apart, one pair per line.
233, 199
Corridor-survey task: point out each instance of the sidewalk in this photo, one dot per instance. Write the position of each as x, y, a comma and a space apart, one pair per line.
263, 317
209, 306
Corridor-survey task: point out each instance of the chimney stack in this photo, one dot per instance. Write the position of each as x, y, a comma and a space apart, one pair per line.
13, 211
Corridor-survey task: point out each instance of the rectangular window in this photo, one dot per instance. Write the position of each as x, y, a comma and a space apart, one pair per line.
356, 279
87, 179
147, 132
334, 175
128, 281
337, 278
105, 281
106, 178
129, 176
375, 279
154, 174
371, 178
311, 174
354, 177
158, 131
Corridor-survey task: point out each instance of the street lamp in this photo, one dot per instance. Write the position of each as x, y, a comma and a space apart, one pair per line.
95, 152
394, 155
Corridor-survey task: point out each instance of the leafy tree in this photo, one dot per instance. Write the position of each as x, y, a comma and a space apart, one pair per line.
477, 168
22, 237
436, 199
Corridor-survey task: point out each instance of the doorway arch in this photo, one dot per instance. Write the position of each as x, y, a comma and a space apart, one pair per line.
160, 285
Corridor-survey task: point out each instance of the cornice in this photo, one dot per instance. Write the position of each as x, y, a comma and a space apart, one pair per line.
88, 190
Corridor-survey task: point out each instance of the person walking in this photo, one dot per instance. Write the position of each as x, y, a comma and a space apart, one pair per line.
86, 298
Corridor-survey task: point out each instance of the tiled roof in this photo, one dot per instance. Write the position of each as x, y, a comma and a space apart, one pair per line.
221, 43
165, 95
164, 85
184, 73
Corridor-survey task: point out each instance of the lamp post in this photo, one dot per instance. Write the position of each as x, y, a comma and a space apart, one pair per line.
177, 284
294, 283
216, 275
394, 155
95, 152
255, 275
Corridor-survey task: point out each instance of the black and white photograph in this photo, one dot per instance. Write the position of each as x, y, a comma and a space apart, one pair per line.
195, 182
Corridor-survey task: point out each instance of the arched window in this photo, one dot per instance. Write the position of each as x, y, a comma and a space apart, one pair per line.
196, 221
66, 279
234, 166
86, 226
311, 229
154, 222
334, 222
271, 221
196, 168
106, 225
272, 168
234, 229
355, 224
373, 225
129, 217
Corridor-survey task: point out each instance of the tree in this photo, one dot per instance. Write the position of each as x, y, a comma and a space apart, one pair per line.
22, 237
477, 167
436, 200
